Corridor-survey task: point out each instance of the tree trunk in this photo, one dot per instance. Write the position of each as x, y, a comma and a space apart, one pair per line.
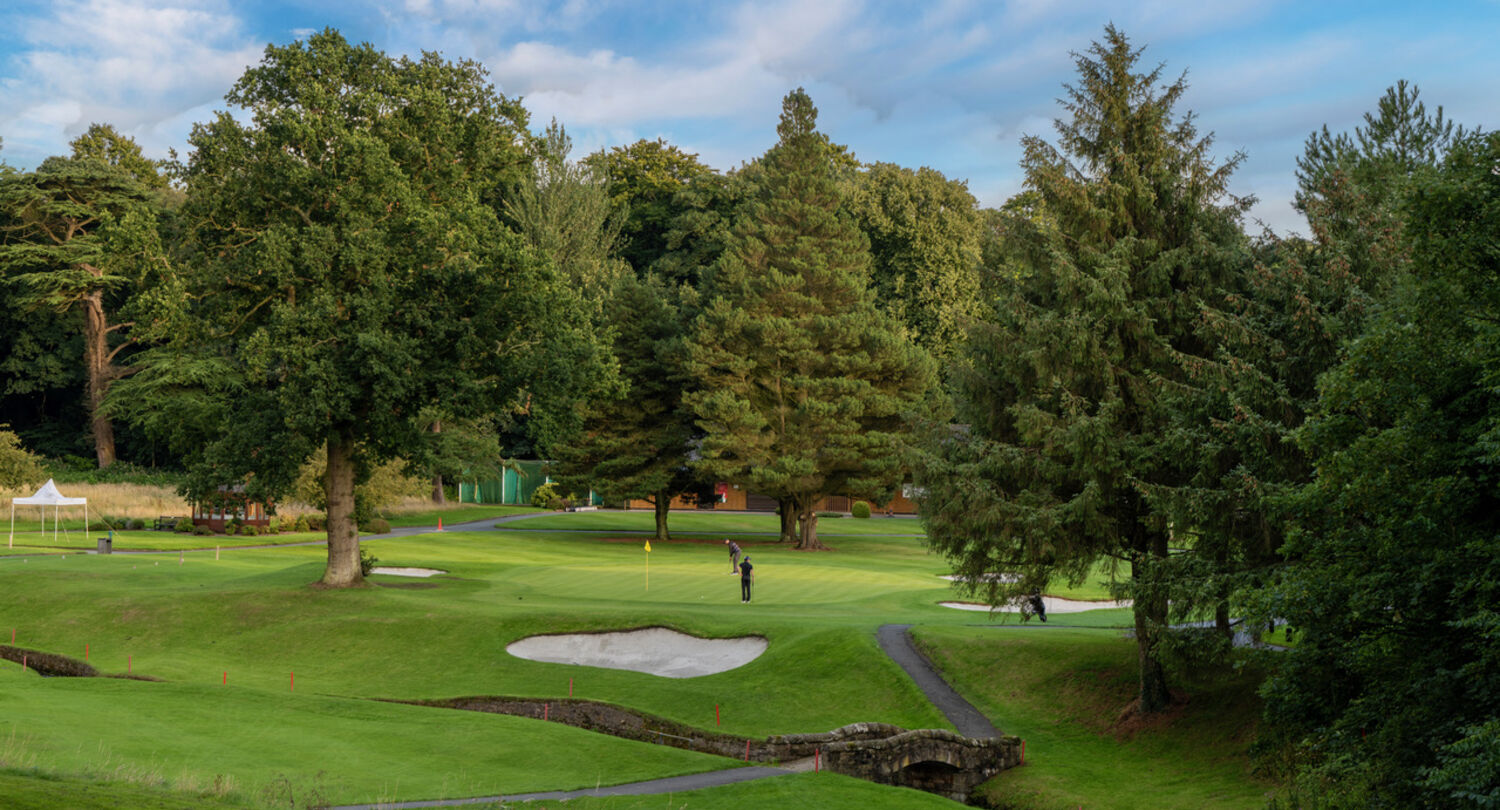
807, 538
786, 509
1150, 622
438, 496
343, 534
663, 504
96, 362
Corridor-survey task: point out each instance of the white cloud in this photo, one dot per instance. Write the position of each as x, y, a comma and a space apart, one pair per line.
130, 64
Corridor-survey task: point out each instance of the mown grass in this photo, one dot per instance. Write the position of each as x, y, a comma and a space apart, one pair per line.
1066, 693
251, 614
824, 791
708, 522
363, 750
426, 513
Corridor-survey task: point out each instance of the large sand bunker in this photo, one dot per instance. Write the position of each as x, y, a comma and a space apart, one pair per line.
653, 650
1054, 605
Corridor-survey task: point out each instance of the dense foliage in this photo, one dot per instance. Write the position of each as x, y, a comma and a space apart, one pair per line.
1069, 388
802, 384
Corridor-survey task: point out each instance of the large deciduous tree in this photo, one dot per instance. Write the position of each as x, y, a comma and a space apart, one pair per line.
924, 232
80, 234
804, 384
1065, 387
644, 179
352, 274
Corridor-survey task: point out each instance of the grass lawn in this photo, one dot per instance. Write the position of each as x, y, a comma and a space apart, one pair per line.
250, 613
708, 522
1063, 692
455, 513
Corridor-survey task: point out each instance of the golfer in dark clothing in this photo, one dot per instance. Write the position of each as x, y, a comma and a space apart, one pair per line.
1038, 607
734, 554
747, 576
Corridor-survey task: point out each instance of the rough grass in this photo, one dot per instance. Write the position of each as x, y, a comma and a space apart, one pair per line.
1070, 694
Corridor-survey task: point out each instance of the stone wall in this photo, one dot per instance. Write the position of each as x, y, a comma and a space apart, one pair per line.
934, 760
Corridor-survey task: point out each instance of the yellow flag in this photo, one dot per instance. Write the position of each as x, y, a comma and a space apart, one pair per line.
648, 545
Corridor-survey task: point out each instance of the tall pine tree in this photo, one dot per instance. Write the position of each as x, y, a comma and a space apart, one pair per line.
1067, 389
804, 384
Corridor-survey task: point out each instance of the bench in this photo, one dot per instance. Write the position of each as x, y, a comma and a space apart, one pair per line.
167, 523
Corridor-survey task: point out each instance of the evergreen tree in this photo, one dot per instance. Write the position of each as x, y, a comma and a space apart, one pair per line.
638, 444
803, 383
81, 234
1065, 389
1390, 696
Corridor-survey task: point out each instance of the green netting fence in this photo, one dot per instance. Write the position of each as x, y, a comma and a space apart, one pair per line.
513, 486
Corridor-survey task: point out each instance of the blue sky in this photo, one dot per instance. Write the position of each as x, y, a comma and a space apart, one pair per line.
951, 84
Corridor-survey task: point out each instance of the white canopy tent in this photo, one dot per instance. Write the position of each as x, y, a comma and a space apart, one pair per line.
45, 497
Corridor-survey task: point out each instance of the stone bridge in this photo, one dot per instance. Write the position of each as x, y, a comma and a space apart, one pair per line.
933, 760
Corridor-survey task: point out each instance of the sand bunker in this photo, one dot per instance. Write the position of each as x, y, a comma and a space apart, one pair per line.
992, 577
1054, 605
654, 650
407, 572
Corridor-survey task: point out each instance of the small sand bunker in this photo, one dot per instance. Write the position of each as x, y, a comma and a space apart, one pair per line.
407, 572
990, 577
1054, 605
653, 650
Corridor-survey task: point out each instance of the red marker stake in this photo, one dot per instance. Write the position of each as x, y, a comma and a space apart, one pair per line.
817, 752
545, 707
85, 652
747, 750
293, 683
716, 715
440, 524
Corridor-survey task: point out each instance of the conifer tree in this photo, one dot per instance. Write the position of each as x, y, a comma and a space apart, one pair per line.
638, 444
803, 383
81, 235
1067, 389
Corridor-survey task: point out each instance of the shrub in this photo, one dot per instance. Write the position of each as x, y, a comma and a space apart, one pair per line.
184, 526
249, 531
101, 525
860, 509
135, 524
546, 497
202, 530
19, 467
366, 562
317, 523
378, 526
830, 514
301, 524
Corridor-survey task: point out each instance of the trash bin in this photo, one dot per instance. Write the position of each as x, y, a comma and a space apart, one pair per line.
107, 543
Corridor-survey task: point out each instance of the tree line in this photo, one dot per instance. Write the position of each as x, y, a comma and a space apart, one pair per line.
379, 260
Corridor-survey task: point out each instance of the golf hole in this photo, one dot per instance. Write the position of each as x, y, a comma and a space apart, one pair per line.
653, 650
